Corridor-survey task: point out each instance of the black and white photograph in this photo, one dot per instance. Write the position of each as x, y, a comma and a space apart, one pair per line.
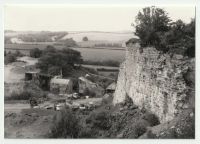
99, 71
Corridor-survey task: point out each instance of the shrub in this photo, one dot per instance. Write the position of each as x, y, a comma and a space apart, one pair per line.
100, 120
9, 58
75, 84
151, 118
18, 54
85, 38
136, 130
150, 134
88, 92
66, 125
24, 95
107, 99
35, 53
87, 132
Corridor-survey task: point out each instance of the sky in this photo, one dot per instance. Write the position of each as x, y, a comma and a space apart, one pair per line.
81, 18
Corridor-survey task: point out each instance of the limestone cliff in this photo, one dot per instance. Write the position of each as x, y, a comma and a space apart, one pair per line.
161, 83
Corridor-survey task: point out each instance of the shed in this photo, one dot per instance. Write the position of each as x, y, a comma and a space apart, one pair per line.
61, 86
42, 80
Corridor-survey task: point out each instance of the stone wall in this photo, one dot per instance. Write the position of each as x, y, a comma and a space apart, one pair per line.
156, 81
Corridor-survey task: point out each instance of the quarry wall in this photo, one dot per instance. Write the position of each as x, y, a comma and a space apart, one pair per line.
161, 83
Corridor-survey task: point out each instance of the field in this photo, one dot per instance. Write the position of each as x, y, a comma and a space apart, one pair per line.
93, 54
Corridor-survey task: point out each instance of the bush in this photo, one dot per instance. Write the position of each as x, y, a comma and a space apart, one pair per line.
85, 38
151, 118
18, 54
136, 130
101, 120
68, 42
35, 53
66, 125
9, 58
25, 95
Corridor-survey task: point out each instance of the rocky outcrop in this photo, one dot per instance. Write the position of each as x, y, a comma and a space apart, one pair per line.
160, 83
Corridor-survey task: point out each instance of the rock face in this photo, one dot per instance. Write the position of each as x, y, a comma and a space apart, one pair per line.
156, 81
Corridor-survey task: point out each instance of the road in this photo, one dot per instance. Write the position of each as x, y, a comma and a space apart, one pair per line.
16, 107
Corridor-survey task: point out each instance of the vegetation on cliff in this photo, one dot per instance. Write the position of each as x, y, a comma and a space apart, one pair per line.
155, 28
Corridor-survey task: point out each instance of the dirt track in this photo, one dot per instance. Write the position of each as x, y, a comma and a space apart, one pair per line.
15, 107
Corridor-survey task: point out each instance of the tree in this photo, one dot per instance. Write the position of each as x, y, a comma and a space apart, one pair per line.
49, 49
35, 53
154, 28
85, 38
180, 38
69, 42
54, 61
190, 35
151, 23
9, 58
18, 54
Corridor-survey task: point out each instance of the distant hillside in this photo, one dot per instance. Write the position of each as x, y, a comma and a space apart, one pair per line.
95, 38
100, 36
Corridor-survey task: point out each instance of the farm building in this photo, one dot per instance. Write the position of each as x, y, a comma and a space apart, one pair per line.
61, 86
30, 76
111, 88
86, 87
42, 80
